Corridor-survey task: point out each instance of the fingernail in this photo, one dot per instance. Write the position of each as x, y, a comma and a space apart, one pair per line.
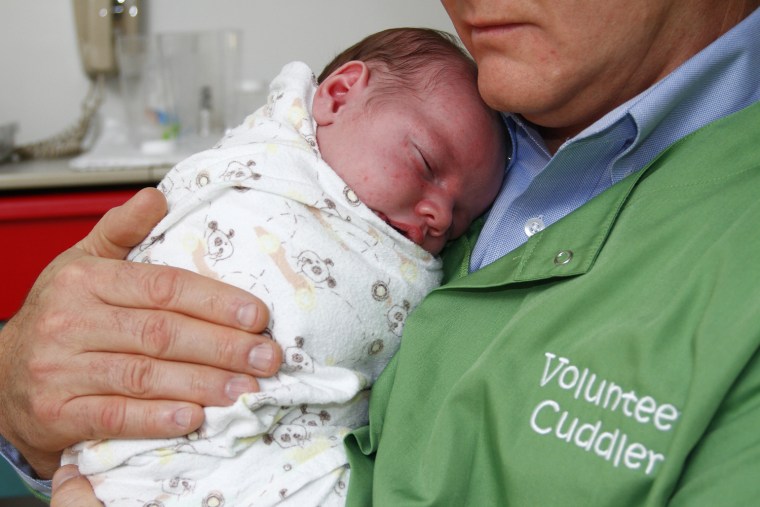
183, 416
238, 386
64, 474
261, 356
247, 314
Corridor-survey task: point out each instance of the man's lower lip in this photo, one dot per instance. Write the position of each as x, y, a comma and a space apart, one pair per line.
493, 30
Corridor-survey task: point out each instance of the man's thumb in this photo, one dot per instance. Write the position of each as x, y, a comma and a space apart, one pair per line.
125, 226
70, 489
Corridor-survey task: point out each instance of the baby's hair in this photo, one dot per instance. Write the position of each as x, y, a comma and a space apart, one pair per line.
400, 57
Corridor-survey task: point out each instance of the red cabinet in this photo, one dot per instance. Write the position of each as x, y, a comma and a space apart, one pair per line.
37, 226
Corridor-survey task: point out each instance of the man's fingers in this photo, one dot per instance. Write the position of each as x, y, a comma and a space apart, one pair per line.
70, 489
136, 285
125, 226
143, 377
158, 287
123, 417
174, 337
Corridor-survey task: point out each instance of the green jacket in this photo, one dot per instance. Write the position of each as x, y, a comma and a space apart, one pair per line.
611, 360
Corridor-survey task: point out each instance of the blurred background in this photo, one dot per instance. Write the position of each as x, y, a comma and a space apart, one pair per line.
42, 83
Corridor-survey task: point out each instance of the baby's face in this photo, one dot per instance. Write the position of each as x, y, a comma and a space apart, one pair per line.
427, 166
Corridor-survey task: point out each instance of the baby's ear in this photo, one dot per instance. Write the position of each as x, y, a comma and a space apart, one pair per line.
348, 82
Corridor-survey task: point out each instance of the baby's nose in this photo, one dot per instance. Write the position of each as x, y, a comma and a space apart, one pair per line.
437, 215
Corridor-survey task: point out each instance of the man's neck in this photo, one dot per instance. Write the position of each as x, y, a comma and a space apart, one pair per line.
729, 12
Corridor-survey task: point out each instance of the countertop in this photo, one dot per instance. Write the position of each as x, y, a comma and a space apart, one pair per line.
111, 162
58, 174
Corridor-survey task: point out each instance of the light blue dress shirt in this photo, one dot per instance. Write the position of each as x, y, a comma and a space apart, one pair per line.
539, 188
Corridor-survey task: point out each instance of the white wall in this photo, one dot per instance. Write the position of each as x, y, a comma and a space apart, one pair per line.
42, 84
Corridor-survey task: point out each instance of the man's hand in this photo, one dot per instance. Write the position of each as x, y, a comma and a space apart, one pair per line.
72, 490
107, 348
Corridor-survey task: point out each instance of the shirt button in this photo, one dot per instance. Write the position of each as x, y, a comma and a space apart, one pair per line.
534, 225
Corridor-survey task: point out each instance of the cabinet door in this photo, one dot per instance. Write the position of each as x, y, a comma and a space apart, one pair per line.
35, 227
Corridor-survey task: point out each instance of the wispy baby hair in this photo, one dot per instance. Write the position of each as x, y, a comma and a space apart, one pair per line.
400, 57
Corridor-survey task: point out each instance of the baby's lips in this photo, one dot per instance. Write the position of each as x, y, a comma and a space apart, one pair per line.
382, 216
413, 234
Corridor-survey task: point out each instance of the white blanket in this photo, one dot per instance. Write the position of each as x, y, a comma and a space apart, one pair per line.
262, 211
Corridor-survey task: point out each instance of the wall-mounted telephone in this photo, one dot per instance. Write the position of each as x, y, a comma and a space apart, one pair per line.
98, 22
